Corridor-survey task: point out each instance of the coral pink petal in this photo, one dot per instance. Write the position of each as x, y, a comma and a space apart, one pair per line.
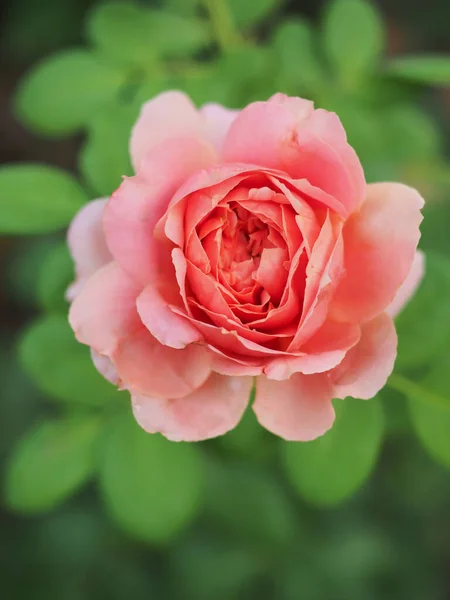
326, 349
217, 121
306, 144
105, 367
232, 365
379, 248
409, 286
367, 366
211, 410
168, 328
87, 243
322, 275
135, 208
258, 133
105, 310
319, 152
272, 272
147, 367
196, 198
168, 115
299, 108
228, 340
298, 409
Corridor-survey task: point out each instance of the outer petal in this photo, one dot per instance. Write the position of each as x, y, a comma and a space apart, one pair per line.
409, 286
257, 134
298, 409
217, 121
226, 365
211, 410
307, 144
168, 115
135, 208
105, 367
148, 368
167, 327
367, 366
326, 349
105, 311
87, 243
379, 247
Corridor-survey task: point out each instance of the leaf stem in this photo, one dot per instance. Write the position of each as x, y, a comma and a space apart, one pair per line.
222, 22
416, 392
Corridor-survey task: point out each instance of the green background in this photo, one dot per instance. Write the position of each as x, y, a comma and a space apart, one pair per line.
91, 506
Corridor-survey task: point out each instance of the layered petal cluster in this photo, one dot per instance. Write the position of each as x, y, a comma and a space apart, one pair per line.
247, 250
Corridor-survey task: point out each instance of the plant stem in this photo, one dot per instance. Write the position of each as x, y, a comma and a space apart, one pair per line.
222, 22
413, 390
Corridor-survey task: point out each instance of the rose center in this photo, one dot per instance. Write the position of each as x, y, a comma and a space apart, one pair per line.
244, 237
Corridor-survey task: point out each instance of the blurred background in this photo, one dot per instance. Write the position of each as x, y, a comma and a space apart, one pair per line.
92, 508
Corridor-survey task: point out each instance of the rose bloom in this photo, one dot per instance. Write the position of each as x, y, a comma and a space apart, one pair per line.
247, 250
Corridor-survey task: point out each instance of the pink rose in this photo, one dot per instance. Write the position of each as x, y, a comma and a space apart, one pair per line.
248, 244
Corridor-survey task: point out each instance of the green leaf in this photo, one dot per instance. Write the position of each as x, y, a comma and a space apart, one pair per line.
183, 7
426, 317
431, 421
226, 569
55, 274
249, 439
105, 158
50, 463
64, 91
266, 517
352, 37
428, 70
37, 198
206, 84
332, 467
435, 238
136, 35
22, 263
298, 66
60, 366
409, 133
432, 427
250, 72
151, 487
250, 12
20, 403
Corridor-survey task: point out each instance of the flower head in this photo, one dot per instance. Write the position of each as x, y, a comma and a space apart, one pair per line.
248, 245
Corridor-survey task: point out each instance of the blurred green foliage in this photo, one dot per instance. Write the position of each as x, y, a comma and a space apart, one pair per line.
242, 516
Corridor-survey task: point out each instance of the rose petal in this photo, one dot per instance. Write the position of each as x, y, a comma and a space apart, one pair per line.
217, 121
211, 410
323, 272
367, 366
87, 244
233, 365
258, 132
105, 367
326, 349
409, 286
272, 273
135, 208
105, 310
304, 143
168, 328
379, 247
168, 115
297, 409
147, 367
